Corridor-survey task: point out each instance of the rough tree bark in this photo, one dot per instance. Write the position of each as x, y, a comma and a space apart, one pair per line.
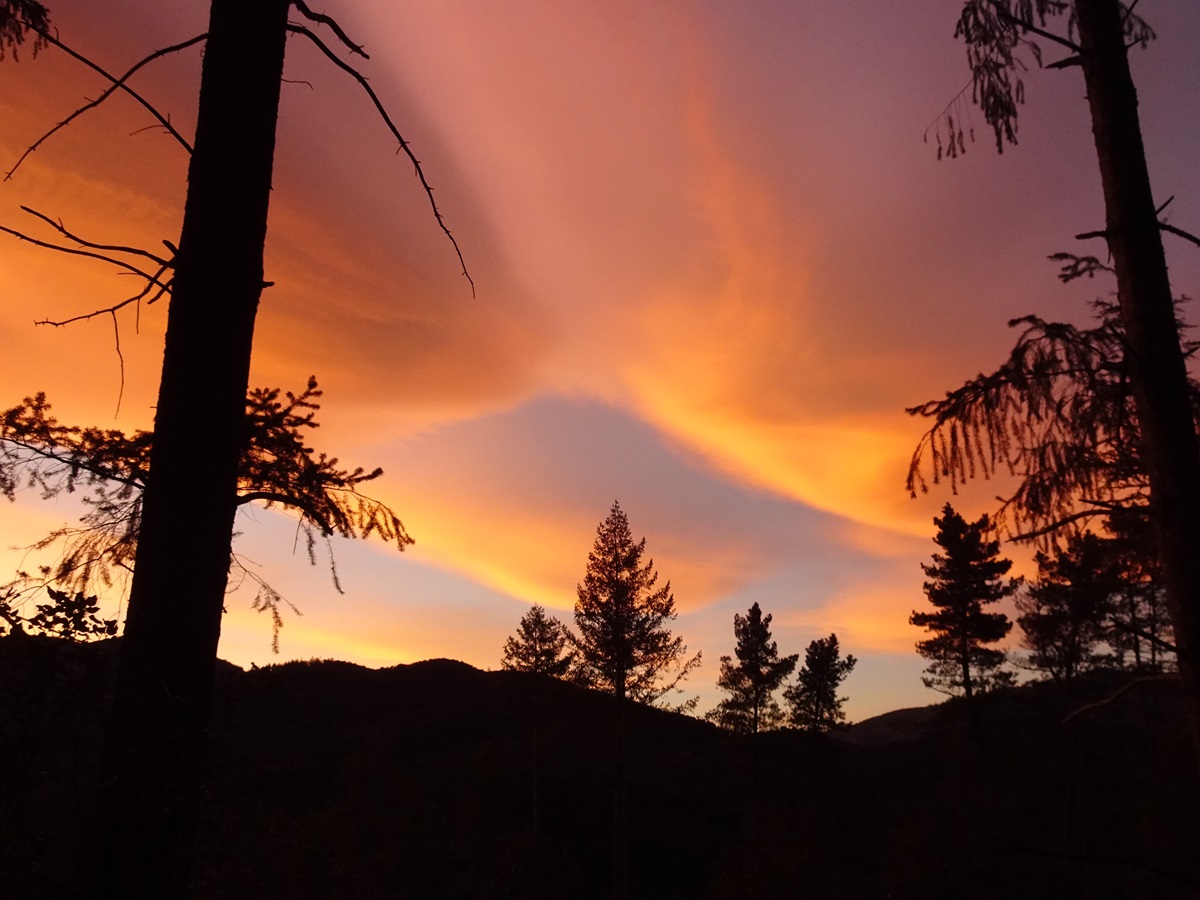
1158, 369
155, 751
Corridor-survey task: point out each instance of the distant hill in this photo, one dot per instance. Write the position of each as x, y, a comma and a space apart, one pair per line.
891, 727
437, 780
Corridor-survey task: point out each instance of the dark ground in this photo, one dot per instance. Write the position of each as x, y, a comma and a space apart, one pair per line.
436, 780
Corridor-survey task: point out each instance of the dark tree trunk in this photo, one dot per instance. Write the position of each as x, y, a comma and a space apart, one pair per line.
1158, 369
156, 747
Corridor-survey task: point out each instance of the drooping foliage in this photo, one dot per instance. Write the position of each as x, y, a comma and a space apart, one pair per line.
1059, 414
17, 18
541, 646
813, 701
964, 578
1002, 39
110, 468
1098, 37
752, 681
624, 639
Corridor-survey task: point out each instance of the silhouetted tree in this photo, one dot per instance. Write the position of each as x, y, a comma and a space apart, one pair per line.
625, 645
967, 576
156, 743
1139, 624
813, 701
752, 681
542, 645
1098, 37
1064, 613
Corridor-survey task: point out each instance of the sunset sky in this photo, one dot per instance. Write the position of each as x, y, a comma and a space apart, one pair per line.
714, 260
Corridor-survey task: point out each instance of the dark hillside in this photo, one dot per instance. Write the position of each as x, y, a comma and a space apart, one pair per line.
437, 780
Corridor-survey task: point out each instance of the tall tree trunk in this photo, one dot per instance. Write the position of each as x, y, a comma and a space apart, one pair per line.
1157, 366
156, 751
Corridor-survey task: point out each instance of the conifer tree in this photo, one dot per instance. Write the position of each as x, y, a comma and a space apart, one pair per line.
542, 645
813, 700
752, 681
965, 577
1063, 614
625, 644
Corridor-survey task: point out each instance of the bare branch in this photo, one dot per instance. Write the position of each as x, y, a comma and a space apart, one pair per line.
1179, 232
117, 84
58, 226
322, 19
121, 264
379, 107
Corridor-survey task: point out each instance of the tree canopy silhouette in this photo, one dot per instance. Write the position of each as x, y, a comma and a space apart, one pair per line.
813, 701
1059, 414
965, 577
625, 644
752, 681
154, 756
1097, 38
1064, 612
277, 468
541, 646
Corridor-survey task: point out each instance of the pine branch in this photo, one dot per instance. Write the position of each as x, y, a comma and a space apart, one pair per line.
288, 500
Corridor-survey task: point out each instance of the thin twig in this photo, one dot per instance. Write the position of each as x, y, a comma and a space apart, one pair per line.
76, 252
58, 226
120, 360
83, 317
117, 84
437, 213
942, 115
322, 19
